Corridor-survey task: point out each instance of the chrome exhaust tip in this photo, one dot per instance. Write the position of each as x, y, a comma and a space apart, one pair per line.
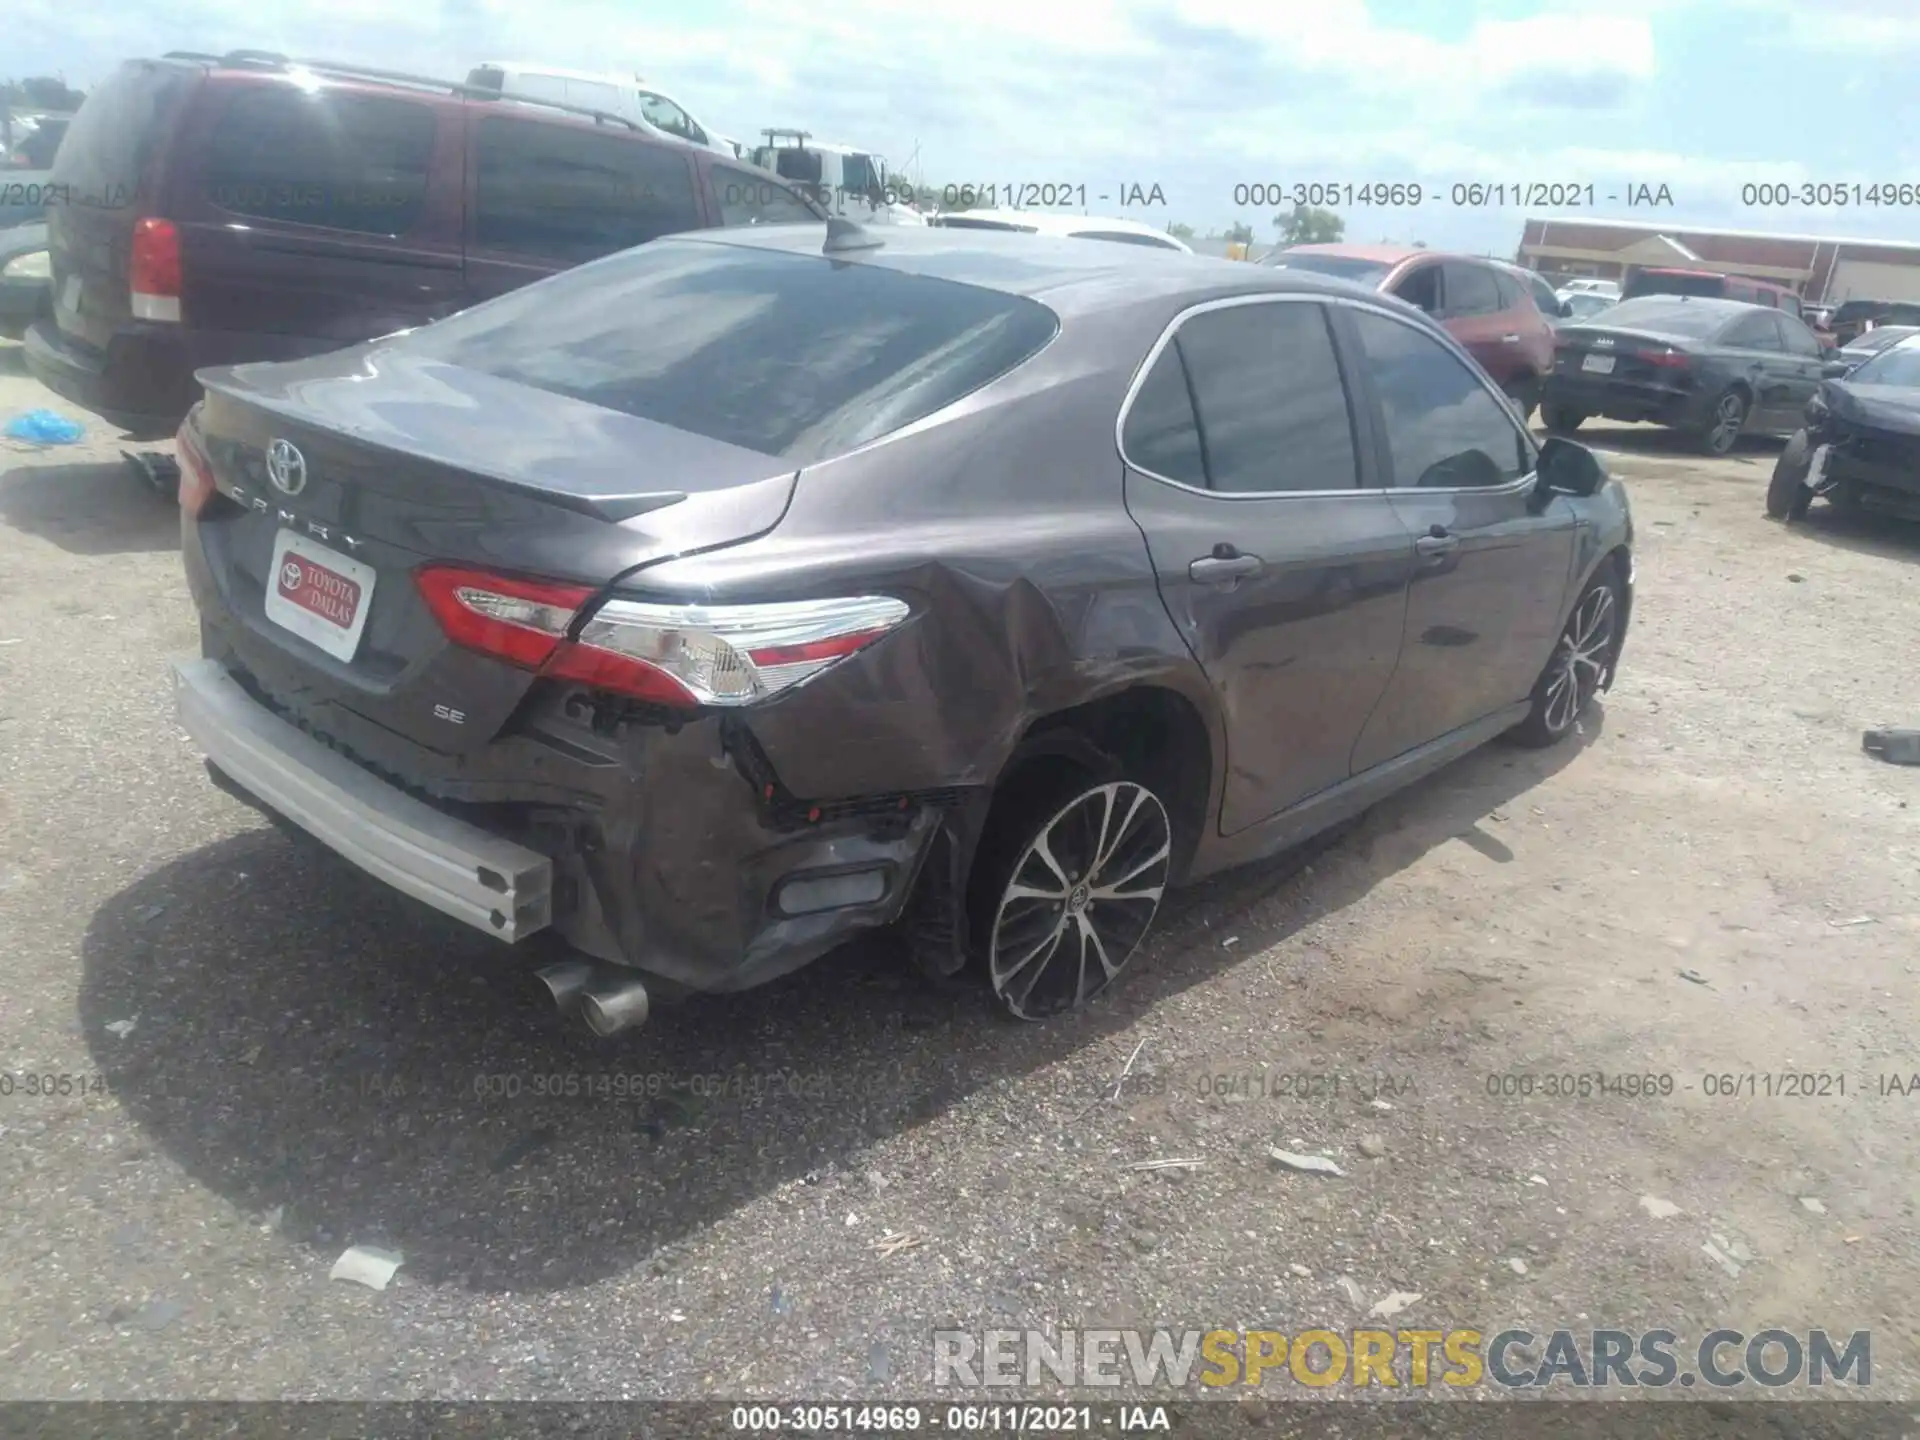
615, 1002
567, 982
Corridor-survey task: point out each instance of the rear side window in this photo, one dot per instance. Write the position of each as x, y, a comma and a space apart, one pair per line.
787, 355
342, 162
574, 195
106, 148
1273, 411
744, 198
1160, 435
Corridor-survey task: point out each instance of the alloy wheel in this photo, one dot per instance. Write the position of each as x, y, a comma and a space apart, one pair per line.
1580, 660
1080, 899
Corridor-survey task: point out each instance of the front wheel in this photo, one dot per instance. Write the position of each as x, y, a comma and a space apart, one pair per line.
1787, 494
1579, 664
1073, 873
1524, 392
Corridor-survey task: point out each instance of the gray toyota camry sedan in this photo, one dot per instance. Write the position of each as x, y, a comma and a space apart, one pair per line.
731, 596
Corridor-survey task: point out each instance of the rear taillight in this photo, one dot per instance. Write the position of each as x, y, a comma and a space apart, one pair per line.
520, 621
153, 270
196, 471
681, 655
1669, 358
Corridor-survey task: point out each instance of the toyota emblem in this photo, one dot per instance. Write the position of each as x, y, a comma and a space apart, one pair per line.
286, 467
290, 575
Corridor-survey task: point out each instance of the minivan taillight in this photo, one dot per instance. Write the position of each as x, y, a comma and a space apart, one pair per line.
153, 270
678, 655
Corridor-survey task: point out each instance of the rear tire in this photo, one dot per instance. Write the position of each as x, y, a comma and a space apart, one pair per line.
1581, 663
1722, 432
1066, 883
1787, 494
1560, 419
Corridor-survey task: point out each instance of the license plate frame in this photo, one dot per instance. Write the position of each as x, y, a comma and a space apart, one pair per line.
306, 604
1597, 364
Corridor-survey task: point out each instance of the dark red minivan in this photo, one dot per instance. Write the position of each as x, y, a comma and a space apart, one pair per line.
213, 210
1483, 305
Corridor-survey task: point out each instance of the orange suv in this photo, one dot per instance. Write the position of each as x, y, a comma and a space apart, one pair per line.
1482, 304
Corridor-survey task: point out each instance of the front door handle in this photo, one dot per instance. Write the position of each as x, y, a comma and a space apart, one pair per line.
1224, 569
1509, 339
1437, 542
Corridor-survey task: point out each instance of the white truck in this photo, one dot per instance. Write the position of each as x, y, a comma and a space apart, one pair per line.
846, 181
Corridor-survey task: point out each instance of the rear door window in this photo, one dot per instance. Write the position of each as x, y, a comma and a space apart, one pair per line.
106, 148
744, 198
1797, 339
338, 161
785, 354
569, 194
1272, 408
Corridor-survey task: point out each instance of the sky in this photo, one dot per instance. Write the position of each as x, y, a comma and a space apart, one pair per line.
1203, 99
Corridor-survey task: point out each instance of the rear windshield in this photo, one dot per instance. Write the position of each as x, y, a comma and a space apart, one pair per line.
1651, 284
1875, 341
107, 146
789, 355
1347, 267
1668, 317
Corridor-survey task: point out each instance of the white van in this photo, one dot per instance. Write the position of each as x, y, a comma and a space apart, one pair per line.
846, 181
631, 99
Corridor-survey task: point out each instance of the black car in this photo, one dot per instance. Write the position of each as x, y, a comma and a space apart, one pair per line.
1870, 344
1714, 369
1860, 447
725, 598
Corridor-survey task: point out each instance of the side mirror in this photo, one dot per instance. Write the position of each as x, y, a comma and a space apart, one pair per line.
1834, 369
1566, 309
1568, 468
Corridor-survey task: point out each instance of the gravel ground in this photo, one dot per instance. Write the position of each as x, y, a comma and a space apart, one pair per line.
1712, 880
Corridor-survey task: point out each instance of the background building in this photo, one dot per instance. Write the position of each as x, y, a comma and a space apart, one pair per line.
1823, 268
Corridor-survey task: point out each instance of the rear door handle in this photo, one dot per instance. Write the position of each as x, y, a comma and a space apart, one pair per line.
1509, 339
1437, 542
1224, 569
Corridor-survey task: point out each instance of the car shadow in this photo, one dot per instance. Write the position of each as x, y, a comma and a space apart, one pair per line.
94, 507
305, 1041
1886, 536
13, 359
1655, 443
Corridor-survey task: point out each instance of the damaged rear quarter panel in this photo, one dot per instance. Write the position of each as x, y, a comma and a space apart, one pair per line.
1002, 522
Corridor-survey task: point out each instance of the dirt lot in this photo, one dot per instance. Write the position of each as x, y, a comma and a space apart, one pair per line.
1714, 881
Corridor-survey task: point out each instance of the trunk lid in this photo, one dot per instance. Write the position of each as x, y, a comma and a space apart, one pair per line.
104, 180
435, 463
1574, 343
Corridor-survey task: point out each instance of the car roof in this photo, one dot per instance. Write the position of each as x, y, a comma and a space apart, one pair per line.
1072, 278
1710, 275
558, 72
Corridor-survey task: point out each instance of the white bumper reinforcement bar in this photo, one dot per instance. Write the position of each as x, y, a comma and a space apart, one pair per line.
459, 869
